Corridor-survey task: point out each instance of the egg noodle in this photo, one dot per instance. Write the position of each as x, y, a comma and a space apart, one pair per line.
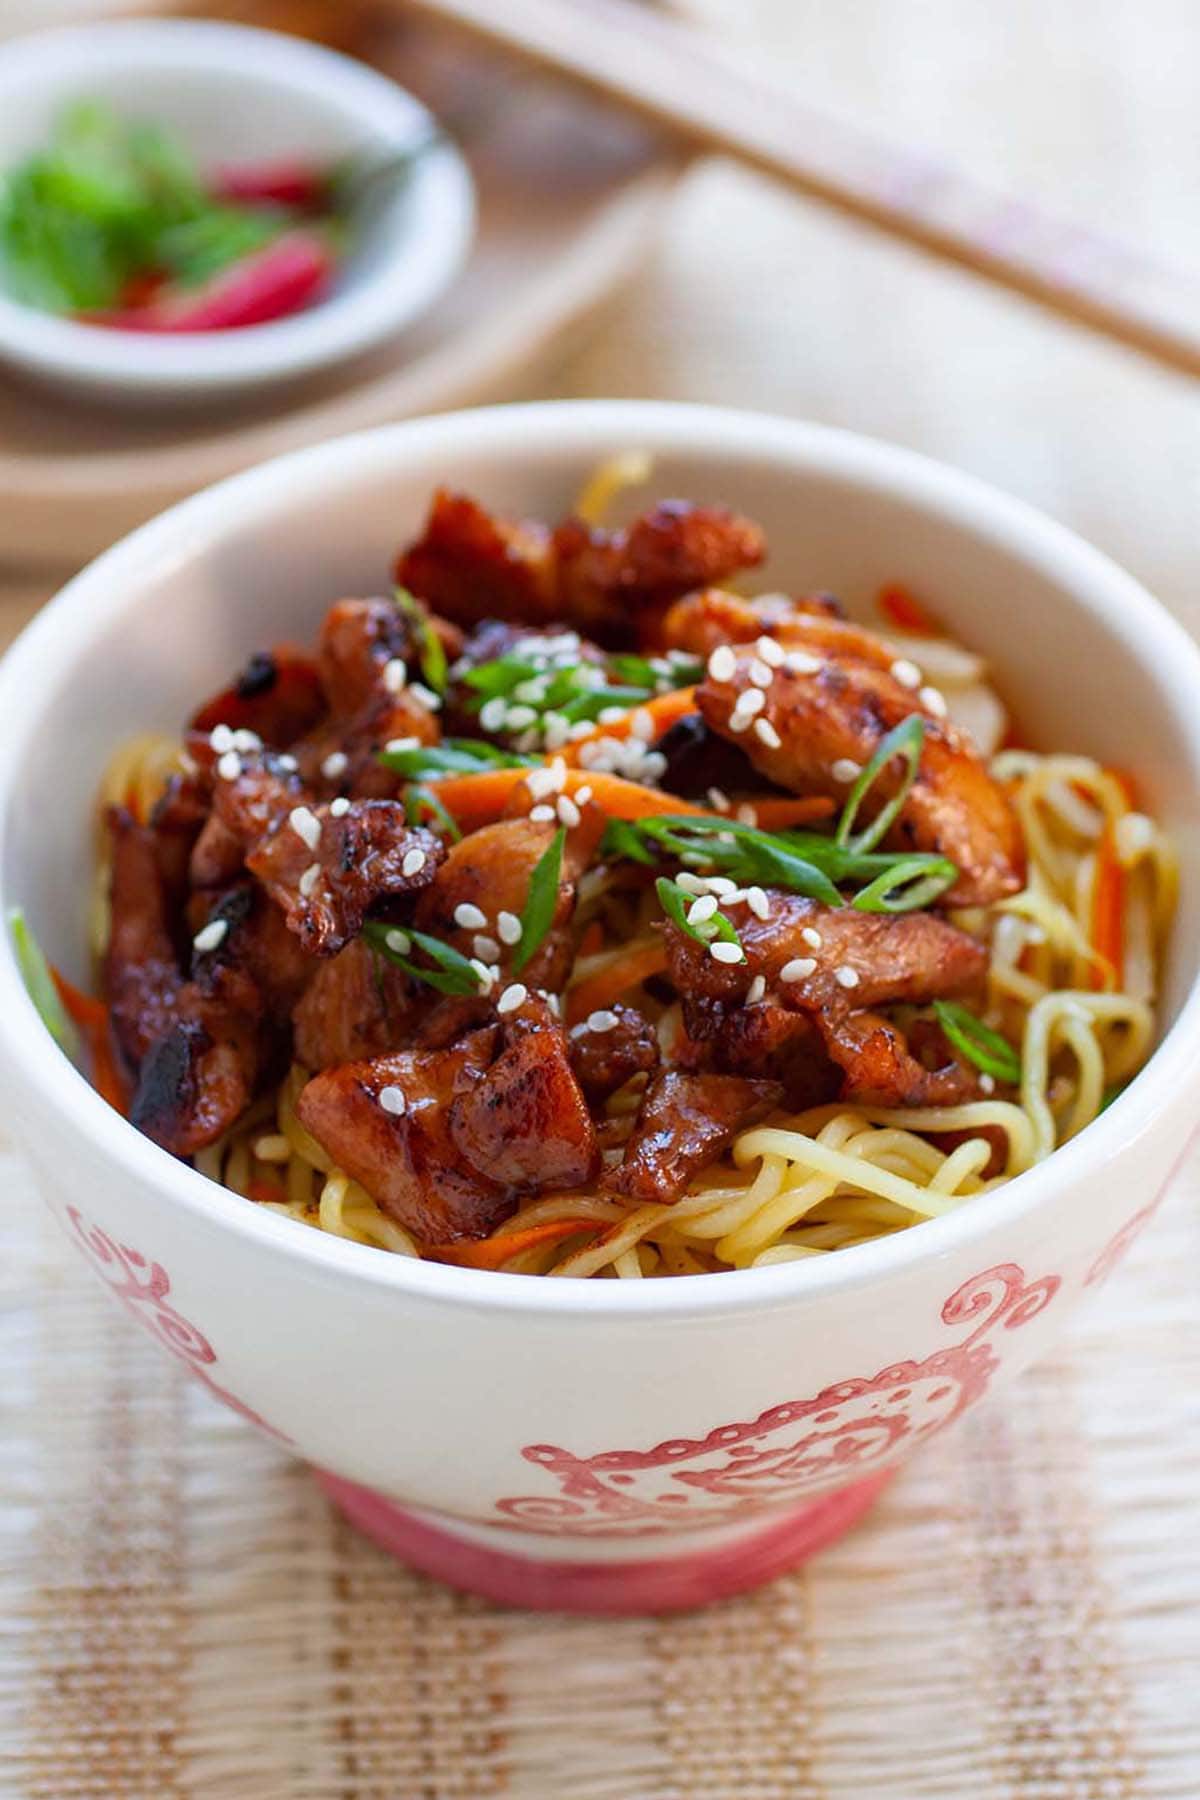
807, 1183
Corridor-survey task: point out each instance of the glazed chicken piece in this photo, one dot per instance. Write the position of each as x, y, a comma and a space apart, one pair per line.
765, 1040
613, 585
859, 962
363, 643
685, 1121
809, 721
142, 977
703, 622
606, 1055
488, 874
357, 1006
447, 1140
278, 696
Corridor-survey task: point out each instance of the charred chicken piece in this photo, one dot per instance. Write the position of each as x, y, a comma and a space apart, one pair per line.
611, 1052
685, 1121
278, 696
357, 1006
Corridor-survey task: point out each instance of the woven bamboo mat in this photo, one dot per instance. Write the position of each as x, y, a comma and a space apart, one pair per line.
181, 1614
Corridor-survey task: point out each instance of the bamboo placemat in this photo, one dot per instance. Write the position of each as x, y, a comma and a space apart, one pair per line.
182, 1617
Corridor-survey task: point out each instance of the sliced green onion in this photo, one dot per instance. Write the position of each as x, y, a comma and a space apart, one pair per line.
912, 883
623, 839
432, 653
500, 676
454, 756
537, 915
39, 984
676, 902
905, 741
453, 974
978, 1042
421, 802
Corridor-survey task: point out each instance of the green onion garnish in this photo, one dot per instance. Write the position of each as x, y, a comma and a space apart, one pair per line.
905, 741
913, 883
978, 1042
39, 984
421, 803
453, 974
432, 654
538, 911
676, 902
453, 756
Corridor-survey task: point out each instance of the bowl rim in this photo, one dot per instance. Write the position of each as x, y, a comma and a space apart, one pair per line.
61, 634
410, 272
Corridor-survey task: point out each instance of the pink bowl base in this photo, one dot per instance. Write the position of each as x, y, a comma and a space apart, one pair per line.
748, 1558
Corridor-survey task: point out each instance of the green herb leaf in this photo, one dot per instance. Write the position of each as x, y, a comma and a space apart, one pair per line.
452, 974
453, 756
623, 839
500, 676
39, 983
421, 803
906, 741
432, 654
538, 911
978, 1042
740, 851
912, 883
676, 903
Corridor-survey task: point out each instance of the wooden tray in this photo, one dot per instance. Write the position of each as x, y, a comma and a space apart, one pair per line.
571, 194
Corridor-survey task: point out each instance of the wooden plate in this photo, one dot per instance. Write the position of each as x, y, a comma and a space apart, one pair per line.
571, 194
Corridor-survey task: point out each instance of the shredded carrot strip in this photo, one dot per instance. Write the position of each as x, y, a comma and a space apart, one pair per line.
608, 984
664, 711
476, 800
1108, 914
268, 1193
781, 814
494, 1252
899, 606
1127, 784
93, 1020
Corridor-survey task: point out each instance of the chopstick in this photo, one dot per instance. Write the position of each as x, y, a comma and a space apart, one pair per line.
674, 73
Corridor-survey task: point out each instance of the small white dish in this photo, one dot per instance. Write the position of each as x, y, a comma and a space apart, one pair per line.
234, 94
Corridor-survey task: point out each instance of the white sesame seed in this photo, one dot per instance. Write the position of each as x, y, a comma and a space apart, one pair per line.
721, 886
414, 862
691, 884
399, 941
340, 807
722, 952
756, 991
761, 673
486, 948
747, 813
798, 969
534, 690
287, 763
540, 782
306, 825
801, 662
758, 903
934, 701
554, 730
558, 775
766, 734
846, 769
739, 721
771, 651
845, 976
403, 743
603, 1020
471, 918
542, 815
642, 726
750, 701
987, 1083
583, 795
722, 664
610, 715
249, 741
718, 799
309, 879
393, 1100
211, 935
519, 717
394, 675
568, 812
426, 696
581, 729
508, 928
812, 937
701, 909
553, 1002
221, 739
906, 672
335, 764
493, 713
486, 977
652, 766
514, 995
229, 766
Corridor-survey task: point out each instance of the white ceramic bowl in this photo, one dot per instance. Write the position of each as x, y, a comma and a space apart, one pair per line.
587, 1444
234, 94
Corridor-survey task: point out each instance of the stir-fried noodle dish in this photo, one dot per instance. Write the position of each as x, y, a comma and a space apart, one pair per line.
576, 910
